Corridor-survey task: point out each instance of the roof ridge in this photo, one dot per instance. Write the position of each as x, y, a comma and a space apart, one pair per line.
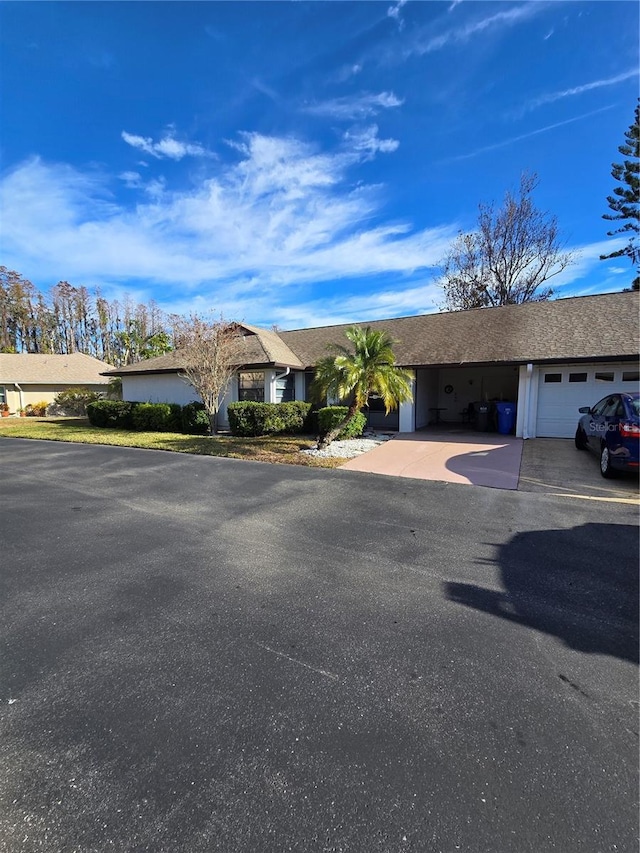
462, 311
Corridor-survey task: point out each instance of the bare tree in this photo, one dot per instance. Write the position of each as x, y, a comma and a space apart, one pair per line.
507, 260
209, 353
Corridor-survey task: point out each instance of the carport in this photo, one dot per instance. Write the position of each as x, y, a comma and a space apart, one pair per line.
444, 394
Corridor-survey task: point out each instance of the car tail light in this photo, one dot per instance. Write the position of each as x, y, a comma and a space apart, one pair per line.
628, 430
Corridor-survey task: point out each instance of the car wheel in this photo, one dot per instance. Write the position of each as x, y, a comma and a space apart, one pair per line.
605, 463
581, 439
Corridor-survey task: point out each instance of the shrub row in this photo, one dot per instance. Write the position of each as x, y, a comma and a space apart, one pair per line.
245, 418
149, 417
249, 418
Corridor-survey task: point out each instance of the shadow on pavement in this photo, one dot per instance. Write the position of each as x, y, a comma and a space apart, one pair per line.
580, 585
496, 464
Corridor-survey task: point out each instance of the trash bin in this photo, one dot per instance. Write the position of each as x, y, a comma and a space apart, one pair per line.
506, 417
483, 416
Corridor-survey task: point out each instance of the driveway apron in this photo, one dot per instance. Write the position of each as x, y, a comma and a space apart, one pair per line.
478, 459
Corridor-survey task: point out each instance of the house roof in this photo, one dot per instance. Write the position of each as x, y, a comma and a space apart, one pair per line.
256, 347
47, 369
574, 329
578, 328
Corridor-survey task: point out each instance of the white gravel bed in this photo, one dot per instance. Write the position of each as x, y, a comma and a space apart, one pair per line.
350, 448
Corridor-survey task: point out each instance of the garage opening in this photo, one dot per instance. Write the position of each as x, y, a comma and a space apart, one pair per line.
451, 396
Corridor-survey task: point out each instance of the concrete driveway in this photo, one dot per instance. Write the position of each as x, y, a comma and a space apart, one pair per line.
556, 466
204, 654
450, 456
545, 465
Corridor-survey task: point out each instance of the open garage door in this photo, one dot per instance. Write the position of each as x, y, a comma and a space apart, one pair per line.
564, 388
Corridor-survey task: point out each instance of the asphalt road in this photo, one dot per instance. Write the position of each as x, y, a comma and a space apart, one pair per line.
202, 654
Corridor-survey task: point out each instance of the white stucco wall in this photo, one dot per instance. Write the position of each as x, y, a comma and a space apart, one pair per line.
406, 419
158, 388
169, 388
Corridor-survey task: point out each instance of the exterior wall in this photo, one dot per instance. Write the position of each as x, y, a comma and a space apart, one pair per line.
158, 388
169, 388
407, 414
527, 401
37, 393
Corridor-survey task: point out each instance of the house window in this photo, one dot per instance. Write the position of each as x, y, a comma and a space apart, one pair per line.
309, 376
604, 377
286, 388
577, 377
631, 376
3, 397
251, 386
553, 377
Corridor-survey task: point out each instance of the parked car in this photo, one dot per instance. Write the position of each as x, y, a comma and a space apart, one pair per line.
611, 429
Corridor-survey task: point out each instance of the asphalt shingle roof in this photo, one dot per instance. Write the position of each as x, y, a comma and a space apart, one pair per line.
47, 369
573, 329
561, 330
259, 347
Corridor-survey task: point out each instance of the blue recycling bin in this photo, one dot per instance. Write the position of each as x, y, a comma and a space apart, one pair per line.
506, 417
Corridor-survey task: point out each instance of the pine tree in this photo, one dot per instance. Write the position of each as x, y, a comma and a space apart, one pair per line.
625, 201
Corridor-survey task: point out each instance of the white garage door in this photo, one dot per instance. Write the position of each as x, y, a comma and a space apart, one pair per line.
563, 389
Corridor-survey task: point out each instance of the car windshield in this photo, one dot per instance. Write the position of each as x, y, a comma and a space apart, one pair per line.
635, 406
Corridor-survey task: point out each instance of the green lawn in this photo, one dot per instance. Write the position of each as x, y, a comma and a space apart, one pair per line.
274, 448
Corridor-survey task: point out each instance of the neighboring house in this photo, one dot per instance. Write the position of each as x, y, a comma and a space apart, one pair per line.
33, 377
549, 358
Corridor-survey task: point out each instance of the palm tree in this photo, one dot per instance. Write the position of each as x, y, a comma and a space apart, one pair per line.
368, 367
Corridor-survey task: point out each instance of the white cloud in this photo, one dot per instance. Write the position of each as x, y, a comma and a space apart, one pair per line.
282, 217
579, 90
364, 306
366, 140
394, 12
167, 147
132, 180
356, 107
598, 276
428, 43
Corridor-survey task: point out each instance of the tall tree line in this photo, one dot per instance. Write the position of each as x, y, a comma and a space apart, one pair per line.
69, 319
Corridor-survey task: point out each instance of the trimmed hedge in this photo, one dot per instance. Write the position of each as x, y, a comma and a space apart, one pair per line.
332, 416
111, 413
195, 420
245, 419
157, 417
248, 418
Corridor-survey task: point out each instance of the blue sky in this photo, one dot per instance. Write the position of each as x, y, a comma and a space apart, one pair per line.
302, 163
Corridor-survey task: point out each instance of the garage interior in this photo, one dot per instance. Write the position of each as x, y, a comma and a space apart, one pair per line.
444, 395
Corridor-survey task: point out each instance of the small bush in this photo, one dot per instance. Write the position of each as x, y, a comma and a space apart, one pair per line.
157, 417
36, 410
294, 415
331, 416
111, 413
76, 400
247, 418
195, 420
